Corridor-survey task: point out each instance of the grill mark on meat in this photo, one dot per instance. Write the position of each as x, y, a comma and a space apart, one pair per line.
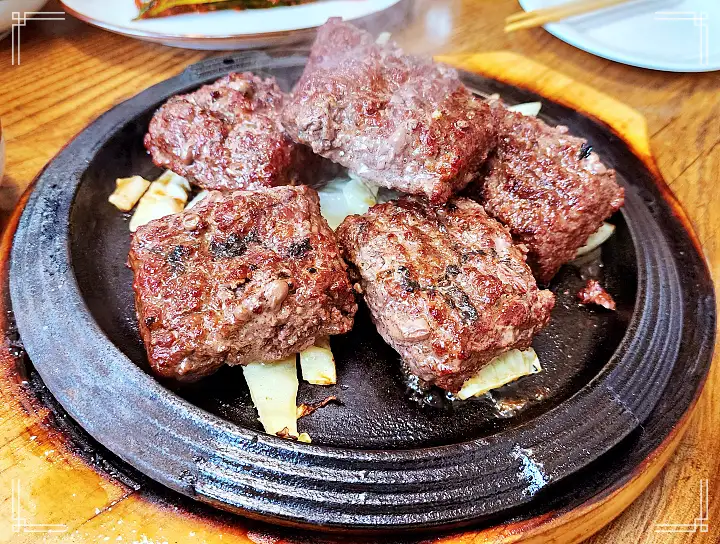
453, 295
459, 301
235, 245
468, 255
408, 284
452, 270
176, 257
299, 249
585, 150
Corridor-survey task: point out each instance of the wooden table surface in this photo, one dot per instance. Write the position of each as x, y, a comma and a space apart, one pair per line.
70, 73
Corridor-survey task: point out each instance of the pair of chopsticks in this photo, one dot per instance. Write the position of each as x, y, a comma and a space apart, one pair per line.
540, 17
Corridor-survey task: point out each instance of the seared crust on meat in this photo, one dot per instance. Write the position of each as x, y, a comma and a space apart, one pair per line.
445, 286
226, 135
400, 121
549, 188
241, 277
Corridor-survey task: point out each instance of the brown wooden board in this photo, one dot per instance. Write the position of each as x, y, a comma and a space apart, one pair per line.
537, 515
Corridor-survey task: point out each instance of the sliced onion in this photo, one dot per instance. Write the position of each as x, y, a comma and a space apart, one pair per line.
502, 370
345, 196
596, 239
167, 195
383, 38
197, 198
531, 109
273, 389
127, 192
318, 364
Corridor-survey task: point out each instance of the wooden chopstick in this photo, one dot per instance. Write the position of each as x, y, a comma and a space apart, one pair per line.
540, 17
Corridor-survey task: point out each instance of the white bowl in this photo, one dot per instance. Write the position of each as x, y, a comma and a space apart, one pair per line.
8, 7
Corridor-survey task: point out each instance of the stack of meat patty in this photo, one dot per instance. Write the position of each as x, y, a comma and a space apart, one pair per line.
254, 273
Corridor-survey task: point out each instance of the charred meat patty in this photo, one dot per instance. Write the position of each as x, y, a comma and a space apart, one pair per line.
399, 121
241, 277
549, 188
227, 135
445, 285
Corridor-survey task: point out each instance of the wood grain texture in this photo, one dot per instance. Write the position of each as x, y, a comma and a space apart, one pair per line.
71, 73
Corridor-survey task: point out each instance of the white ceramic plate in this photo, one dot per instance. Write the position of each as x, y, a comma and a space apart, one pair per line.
669, 35
230, 29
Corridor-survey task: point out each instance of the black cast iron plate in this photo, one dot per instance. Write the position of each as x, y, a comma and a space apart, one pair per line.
380, 460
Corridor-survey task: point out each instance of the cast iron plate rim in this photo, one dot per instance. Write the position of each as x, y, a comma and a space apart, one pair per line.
190, 77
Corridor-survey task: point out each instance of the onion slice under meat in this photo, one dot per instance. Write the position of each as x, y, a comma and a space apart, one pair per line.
273, 388
596, 239
318, 364
502, 370
531, 109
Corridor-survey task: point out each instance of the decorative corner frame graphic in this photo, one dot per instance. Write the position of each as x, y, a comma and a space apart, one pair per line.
20, 523
20, 20
699, 20
700, 523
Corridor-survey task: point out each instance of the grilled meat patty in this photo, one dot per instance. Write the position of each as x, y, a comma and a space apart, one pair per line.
548, 187
241, 277
400, 121
227, 135
445, 285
